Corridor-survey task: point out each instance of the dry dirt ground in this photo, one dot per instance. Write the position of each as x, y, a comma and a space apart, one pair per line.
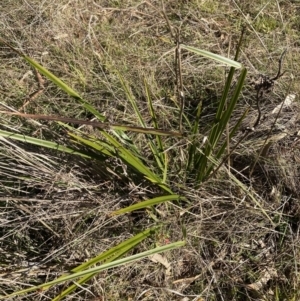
53, 207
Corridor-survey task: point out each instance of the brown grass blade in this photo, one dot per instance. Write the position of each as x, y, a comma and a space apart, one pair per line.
97, 124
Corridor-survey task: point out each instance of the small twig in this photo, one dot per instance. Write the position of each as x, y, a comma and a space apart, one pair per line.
179, 82
178, 73
265, 142
227, 125
264, 86
167, 20
36, 93
259, 95
279, 74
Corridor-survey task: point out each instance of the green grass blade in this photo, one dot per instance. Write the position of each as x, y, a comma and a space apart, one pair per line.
68, 90
93, 142
130, 159
147, 131
224, 115
213, 56
98, 145
165, 172
223, 147
222, 105
222, 118
116, 149
44, 143
63, 86
131, 99
256, 203
232, 103
151, 109
158, 155
193, 147
98, 269
109, 256
52, 77
133, 241
231, 134
216, 133
148, 203
220, 122
158, 152
219, 127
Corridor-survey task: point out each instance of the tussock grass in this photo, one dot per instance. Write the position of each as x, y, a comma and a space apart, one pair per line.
240, 225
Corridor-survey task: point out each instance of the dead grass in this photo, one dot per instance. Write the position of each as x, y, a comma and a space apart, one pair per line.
54, 208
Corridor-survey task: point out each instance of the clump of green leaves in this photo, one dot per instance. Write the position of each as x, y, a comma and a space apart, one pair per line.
203, 157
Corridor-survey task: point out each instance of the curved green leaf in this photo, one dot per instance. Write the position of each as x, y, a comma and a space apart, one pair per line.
109, 256
98, 269
213, 56
43, 143
148, 203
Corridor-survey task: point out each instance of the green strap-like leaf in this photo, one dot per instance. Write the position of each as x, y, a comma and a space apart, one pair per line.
213, 56
43, 143
98, 269
147, 203
109, 256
